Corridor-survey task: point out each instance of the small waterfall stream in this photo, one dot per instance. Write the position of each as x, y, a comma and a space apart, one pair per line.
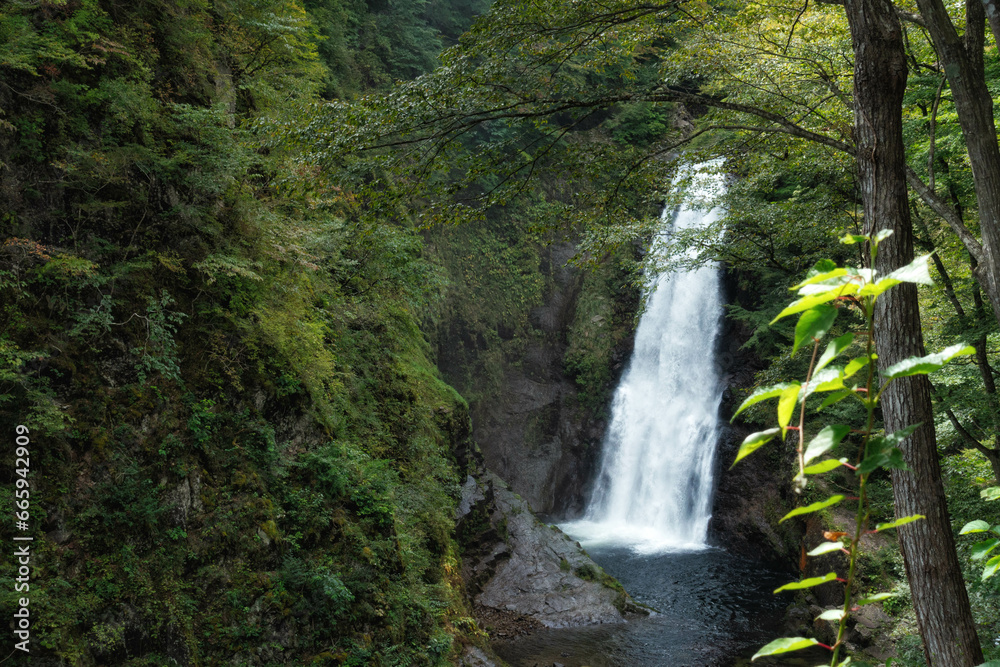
654, 491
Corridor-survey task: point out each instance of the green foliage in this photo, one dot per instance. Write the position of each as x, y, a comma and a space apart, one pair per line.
220, 349
825, 284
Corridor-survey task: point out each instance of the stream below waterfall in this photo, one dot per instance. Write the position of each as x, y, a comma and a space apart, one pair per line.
714, 610
647, 519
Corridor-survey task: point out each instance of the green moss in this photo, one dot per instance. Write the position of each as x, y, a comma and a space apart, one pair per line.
603, 320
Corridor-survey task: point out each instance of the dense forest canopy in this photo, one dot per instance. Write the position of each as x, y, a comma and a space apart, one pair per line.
238, 233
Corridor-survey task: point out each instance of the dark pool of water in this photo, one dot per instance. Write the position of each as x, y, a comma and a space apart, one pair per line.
715, 610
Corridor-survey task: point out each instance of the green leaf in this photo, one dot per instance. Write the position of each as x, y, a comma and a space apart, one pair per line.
762, 394
902, 521
833, 348
807, 583
784, 645
883, 451
831, 615
828, 438
992, 493
807, 302
825, 548
824, 466
877, 288
991, 663
917, 271
786, 405
928, 364
882, 235
851, 239
814, 276
828, 379
753, 441
813, 324
981, 550
992, 565
856, 364
835, 397
878, 597
815, 507
977, 526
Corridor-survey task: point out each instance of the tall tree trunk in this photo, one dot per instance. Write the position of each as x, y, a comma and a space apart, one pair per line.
939, 595
992, 11
975, 114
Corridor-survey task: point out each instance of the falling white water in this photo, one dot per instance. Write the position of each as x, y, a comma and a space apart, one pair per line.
654, 491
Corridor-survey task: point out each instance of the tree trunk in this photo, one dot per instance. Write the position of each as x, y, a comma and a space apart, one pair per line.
939, 595
993, 16
975, 114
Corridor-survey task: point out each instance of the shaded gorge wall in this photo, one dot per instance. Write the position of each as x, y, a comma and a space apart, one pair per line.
536, 346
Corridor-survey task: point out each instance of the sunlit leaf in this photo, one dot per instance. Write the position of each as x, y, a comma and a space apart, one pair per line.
981, 550
882, 235
877, 288
828, 379
977, 526
764, 393
851, 239
825, 548
855, 365
992, 565
992, 493
835, 397
902, 521
807, 583
917, 271
831, 615
784, 645
812, 300
833, 348
878, 597
824, 466
753, 441
814, 277
828, 438
813, 324
928, 364
815, 507
786, 405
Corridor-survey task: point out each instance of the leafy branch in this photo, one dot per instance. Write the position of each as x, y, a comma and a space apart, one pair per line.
825, 292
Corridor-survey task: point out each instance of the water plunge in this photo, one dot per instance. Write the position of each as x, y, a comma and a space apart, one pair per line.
654, 491
648, 517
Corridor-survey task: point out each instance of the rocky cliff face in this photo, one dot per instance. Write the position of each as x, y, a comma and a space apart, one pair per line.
535, 429
534, 435
751, 497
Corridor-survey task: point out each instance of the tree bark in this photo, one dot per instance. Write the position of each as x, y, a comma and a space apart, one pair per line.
975, 114
993, 16
939, 595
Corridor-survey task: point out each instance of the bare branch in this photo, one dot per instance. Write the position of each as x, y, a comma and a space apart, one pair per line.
939, 206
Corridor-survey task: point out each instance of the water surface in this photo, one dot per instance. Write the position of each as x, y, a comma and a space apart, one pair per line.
714, 610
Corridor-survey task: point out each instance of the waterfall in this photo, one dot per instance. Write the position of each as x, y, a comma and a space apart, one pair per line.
654, 491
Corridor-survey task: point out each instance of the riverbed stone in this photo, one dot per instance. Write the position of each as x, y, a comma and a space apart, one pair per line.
514, 563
